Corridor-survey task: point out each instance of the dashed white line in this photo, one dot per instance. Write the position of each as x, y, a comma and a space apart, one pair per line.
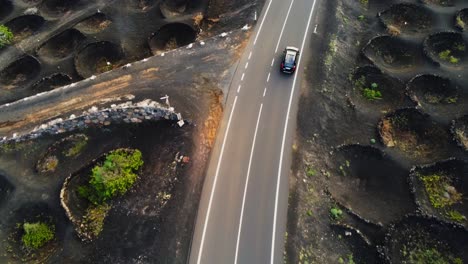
315, 29
268, 78
284, 24
214, 182
242, 77
246, 65
264, 92
280, 167
272, 62
246, 183
238, 88
263, 20
250, 55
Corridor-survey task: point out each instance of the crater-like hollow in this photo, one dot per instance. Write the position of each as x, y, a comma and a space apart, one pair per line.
418, 239
171, 36
391, 53
371, 184
406, 18
51, 82
98, 57
440, 188
415, 134
57, 8
25, 26
376, 90
61, 46
19, 72
433, 89
447, 48
94, 24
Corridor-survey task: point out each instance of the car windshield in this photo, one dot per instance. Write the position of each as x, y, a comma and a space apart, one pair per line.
289, 59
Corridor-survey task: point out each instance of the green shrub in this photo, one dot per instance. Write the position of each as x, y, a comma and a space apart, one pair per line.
311, 172
455, 216
114, 177
437, 186
37, 234
446, 56
6, 36
371, 94
336, 213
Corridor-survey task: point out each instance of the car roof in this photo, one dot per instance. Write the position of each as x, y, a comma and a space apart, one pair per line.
292, 48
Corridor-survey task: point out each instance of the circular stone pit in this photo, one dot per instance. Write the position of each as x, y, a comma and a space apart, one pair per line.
371, 184
391, 53
51, 82
417, 239
461, 19
446, 48
25, 26
57, 8
391, 89
171, 36
30, 212
7, 8
98, 57
414, 134
459, 131
437, 95
407, 18
19, 72
94, 24
439, 190
62, 150
61, 46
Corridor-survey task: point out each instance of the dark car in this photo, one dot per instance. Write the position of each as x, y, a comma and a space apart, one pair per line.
290, 56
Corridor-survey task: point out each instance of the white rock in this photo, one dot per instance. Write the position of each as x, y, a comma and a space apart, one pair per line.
202, 43
189, 46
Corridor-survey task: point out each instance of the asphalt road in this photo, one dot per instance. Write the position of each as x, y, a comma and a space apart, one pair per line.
243, 208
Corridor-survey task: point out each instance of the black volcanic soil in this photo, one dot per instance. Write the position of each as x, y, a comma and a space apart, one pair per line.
356, 158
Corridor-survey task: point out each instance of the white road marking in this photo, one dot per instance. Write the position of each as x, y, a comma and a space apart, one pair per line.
246, 65
284, 24
246, 183
268, 78
263, 20
264, 92
238, 88
255, 16
242, 77
280, 167
315, 29
250, 55
272, 62
215, 180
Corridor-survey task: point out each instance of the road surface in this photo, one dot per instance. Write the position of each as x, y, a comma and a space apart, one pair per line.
243, 208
